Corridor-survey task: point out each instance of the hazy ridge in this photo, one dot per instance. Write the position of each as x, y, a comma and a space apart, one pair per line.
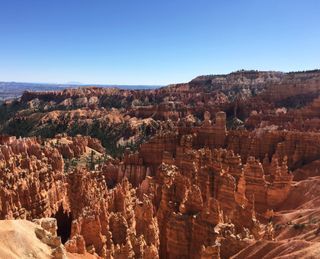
9, 90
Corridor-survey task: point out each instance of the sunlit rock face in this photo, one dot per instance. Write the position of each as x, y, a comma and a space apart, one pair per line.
223, 166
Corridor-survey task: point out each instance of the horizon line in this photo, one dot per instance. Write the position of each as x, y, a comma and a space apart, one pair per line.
159, 85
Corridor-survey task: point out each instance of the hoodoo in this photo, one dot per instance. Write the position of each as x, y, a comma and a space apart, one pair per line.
182, 181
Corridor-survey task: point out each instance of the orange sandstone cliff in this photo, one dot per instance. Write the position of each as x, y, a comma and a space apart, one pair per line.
221, 167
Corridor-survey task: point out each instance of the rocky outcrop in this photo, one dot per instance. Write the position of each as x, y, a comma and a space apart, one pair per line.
201, 170
32, 180
188, 202
22, 238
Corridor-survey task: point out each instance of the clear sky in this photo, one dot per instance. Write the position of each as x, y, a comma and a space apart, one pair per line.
154, 41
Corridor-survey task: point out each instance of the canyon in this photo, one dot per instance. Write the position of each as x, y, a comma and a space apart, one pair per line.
225, 166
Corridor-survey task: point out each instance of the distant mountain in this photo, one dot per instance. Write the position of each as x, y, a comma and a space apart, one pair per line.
10, 90
73, 83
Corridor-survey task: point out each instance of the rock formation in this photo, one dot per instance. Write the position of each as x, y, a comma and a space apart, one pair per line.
220, 167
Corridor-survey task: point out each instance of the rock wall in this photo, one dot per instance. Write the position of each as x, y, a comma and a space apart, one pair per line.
193, 189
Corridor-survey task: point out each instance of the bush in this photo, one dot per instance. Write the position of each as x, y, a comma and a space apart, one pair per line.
298, 226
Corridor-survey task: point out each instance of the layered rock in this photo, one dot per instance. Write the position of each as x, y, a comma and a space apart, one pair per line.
194, 187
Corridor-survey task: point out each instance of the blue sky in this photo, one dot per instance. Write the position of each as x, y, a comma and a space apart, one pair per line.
154, 41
